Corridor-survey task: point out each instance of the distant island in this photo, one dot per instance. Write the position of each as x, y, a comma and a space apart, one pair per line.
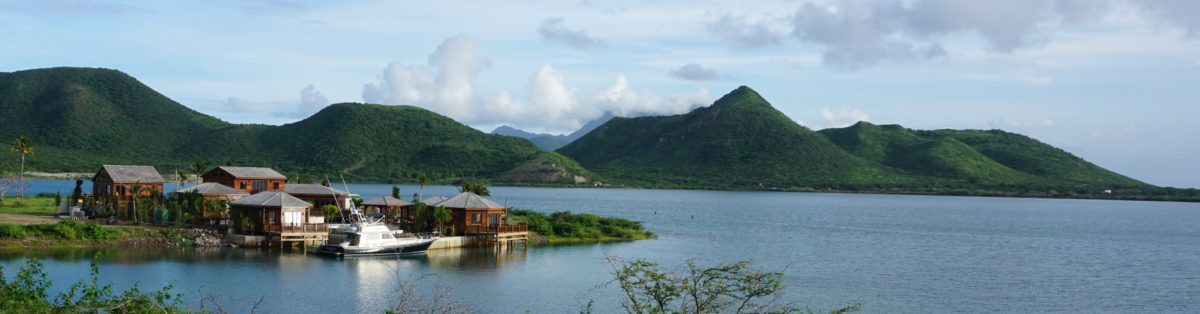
80, 118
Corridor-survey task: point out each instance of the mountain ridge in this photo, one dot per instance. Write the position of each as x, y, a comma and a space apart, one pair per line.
90, 117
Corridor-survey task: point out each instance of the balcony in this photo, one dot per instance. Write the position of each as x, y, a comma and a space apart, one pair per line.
297, 228
477, 229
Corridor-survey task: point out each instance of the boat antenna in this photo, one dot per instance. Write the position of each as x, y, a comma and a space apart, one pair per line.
335, 199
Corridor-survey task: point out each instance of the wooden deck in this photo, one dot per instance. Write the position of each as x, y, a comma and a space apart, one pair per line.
499, 235
304, 235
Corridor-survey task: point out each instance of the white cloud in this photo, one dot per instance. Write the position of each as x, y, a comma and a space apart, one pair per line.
694, 72
842, 117
857, 34
311, 101
555, 29
448, 86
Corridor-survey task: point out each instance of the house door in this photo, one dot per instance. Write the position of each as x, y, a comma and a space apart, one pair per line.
493, 220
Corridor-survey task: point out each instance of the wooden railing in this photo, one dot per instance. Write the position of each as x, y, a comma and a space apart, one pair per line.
497, 229
297, 228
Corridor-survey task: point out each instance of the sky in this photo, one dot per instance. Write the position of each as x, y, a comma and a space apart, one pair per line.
1111, 81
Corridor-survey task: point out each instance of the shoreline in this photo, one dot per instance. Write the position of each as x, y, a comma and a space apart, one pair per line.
66, 176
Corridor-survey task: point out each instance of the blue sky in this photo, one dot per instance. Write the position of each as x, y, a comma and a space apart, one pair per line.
1112, 81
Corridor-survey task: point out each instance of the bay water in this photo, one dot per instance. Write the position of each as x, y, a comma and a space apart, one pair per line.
891, 253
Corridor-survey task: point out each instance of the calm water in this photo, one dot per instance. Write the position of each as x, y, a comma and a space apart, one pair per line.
892, 253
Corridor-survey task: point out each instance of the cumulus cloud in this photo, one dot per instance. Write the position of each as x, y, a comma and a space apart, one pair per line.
856, 34
694, 72
311, 101
555, 30
1182, 13
447, 85
742, 30
842, 117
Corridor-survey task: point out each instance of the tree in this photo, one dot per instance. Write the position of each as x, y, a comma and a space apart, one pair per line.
330, 211
24, 147
441, 215
77, 193
724, 288
198, 168
395, 191
423, 180
137, 193
474, 187
325, 182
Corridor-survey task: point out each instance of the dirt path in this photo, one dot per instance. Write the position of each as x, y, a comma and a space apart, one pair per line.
23, 219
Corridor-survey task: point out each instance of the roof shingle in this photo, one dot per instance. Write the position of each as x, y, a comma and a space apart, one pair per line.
271, 199
387, 201
143, 174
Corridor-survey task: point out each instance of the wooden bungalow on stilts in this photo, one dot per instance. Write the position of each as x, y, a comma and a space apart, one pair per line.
319, 196
279, 216
473, 215
393, 208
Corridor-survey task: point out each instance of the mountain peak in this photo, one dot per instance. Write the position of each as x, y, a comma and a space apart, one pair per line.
741, 96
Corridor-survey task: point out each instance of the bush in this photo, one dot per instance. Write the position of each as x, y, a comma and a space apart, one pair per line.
64, 230
8, 231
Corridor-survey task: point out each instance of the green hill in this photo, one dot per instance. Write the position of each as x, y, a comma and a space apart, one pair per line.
81, 118
740, 141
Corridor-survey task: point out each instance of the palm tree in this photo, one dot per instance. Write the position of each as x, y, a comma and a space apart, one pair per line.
137, 191
25, 147
475, 187
198, 168
423, 180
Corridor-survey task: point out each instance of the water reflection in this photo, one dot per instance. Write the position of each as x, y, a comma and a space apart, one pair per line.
478, 258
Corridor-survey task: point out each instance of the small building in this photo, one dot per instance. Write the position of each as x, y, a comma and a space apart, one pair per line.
319, 196
472, 214
116, 184
249, 179
278, 215
213, 191
392, 207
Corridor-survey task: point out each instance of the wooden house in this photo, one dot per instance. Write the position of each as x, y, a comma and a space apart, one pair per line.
392, 207
472, 214
213, 191
115, 184
277, 215
249, 179
319, 196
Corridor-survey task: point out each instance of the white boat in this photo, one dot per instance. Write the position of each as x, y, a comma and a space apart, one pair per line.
367, 239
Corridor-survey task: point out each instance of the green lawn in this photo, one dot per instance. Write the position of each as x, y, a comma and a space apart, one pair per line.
28, 205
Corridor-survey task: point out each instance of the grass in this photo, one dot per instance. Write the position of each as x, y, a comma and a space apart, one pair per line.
565, 227
28, 205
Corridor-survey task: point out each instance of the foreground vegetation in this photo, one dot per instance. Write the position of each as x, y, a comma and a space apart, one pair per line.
27, 292
561, 227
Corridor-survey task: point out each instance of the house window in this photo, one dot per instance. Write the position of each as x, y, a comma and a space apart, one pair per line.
476, 219
494, 219
293, 218
120, 190
243, 185
271, 219
275, 186
260, 185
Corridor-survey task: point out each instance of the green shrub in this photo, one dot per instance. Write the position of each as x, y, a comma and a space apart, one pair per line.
9, 231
